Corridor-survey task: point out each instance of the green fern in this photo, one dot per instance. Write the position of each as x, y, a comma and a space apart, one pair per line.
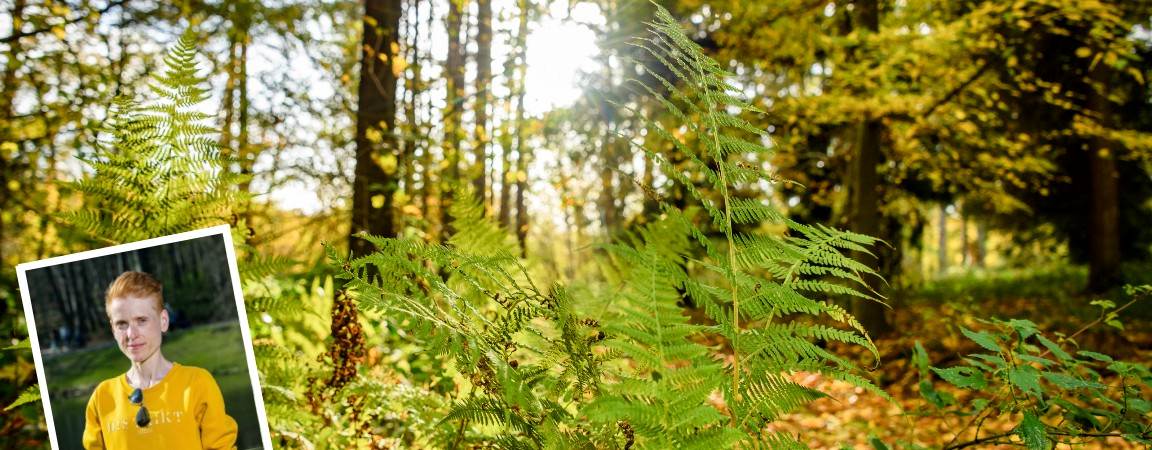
526, 367
162, 172
753, 284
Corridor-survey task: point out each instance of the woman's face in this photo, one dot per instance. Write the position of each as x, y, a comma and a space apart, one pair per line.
138, 326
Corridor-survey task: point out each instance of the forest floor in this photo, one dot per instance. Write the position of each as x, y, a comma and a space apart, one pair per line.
849, 417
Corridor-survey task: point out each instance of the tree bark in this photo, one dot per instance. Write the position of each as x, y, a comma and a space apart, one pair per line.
229, 101
483, 81
431, 175
1104, 209
608, 217
412, 86
517, 62
965, 260
453, 105
1104, 257
373, 187
523, 153
865, 199
942, 243
243, 148
981, 244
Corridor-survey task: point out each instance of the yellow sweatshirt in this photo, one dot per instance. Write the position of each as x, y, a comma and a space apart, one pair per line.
186, 408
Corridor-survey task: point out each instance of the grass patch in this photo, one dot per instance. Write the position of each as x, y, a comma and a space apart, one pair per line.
1057, 282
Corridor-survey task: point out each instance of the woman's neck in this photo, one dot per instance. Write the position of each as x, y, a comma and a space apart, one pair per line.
146, 373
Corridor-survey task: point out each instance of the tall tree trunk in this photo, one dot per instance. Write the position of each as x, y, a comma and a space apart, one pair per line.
504, 211
866, 218
431, 175
609, 159
942, 243
865, 199
523, 153
1104, 256
1104, 209
516, 60
229, 101
453, 106
412, 86
373, 187
483, 81
608, 163
243, 146
965, 260
981, 244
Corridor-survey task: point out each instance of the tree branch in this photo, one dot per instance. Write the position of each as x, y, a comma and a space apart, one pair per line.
983, 440
957, 90
16, 34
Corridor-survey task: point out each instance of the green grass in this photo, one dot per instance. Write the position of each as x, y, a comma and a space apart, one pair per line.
218, 348
1057, 282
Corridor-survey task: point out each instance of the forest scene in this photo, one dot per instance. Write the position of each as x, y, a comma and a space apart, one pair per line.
865, 224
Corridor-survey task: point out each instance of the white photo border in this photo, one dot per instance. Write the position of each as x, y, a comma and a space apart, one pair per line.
221, 230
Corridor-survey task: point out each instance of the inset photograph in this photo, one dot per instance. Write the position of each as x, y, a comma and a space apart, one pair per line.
145, 345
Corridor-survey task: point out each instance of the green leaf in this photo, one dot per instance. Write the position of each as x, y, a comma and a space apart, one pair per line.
936, 398
1103, 304
978, 364
1069, 382
1026, 378
30, 394
876, 443
999, 362
1036, 359
1031, 431
1026, 328
920, 357
982, 338
963, 377
1097, 356
1054, 348
1139, 405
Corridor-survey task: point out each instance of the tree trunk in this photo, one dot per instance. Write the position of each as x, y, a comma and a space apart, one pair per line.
609, 161
373, 187
504, 211
453, 106
981, 244
1104, 257
1104, 209
483, 81
964, 259
431, 175
517, 61
229, 101
243, 148
523, 153
865, 200
412, 86
608, 218
942, 243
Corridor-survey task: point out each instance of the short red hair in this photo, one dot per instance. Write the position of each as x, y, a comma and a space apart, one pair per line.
133, 284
